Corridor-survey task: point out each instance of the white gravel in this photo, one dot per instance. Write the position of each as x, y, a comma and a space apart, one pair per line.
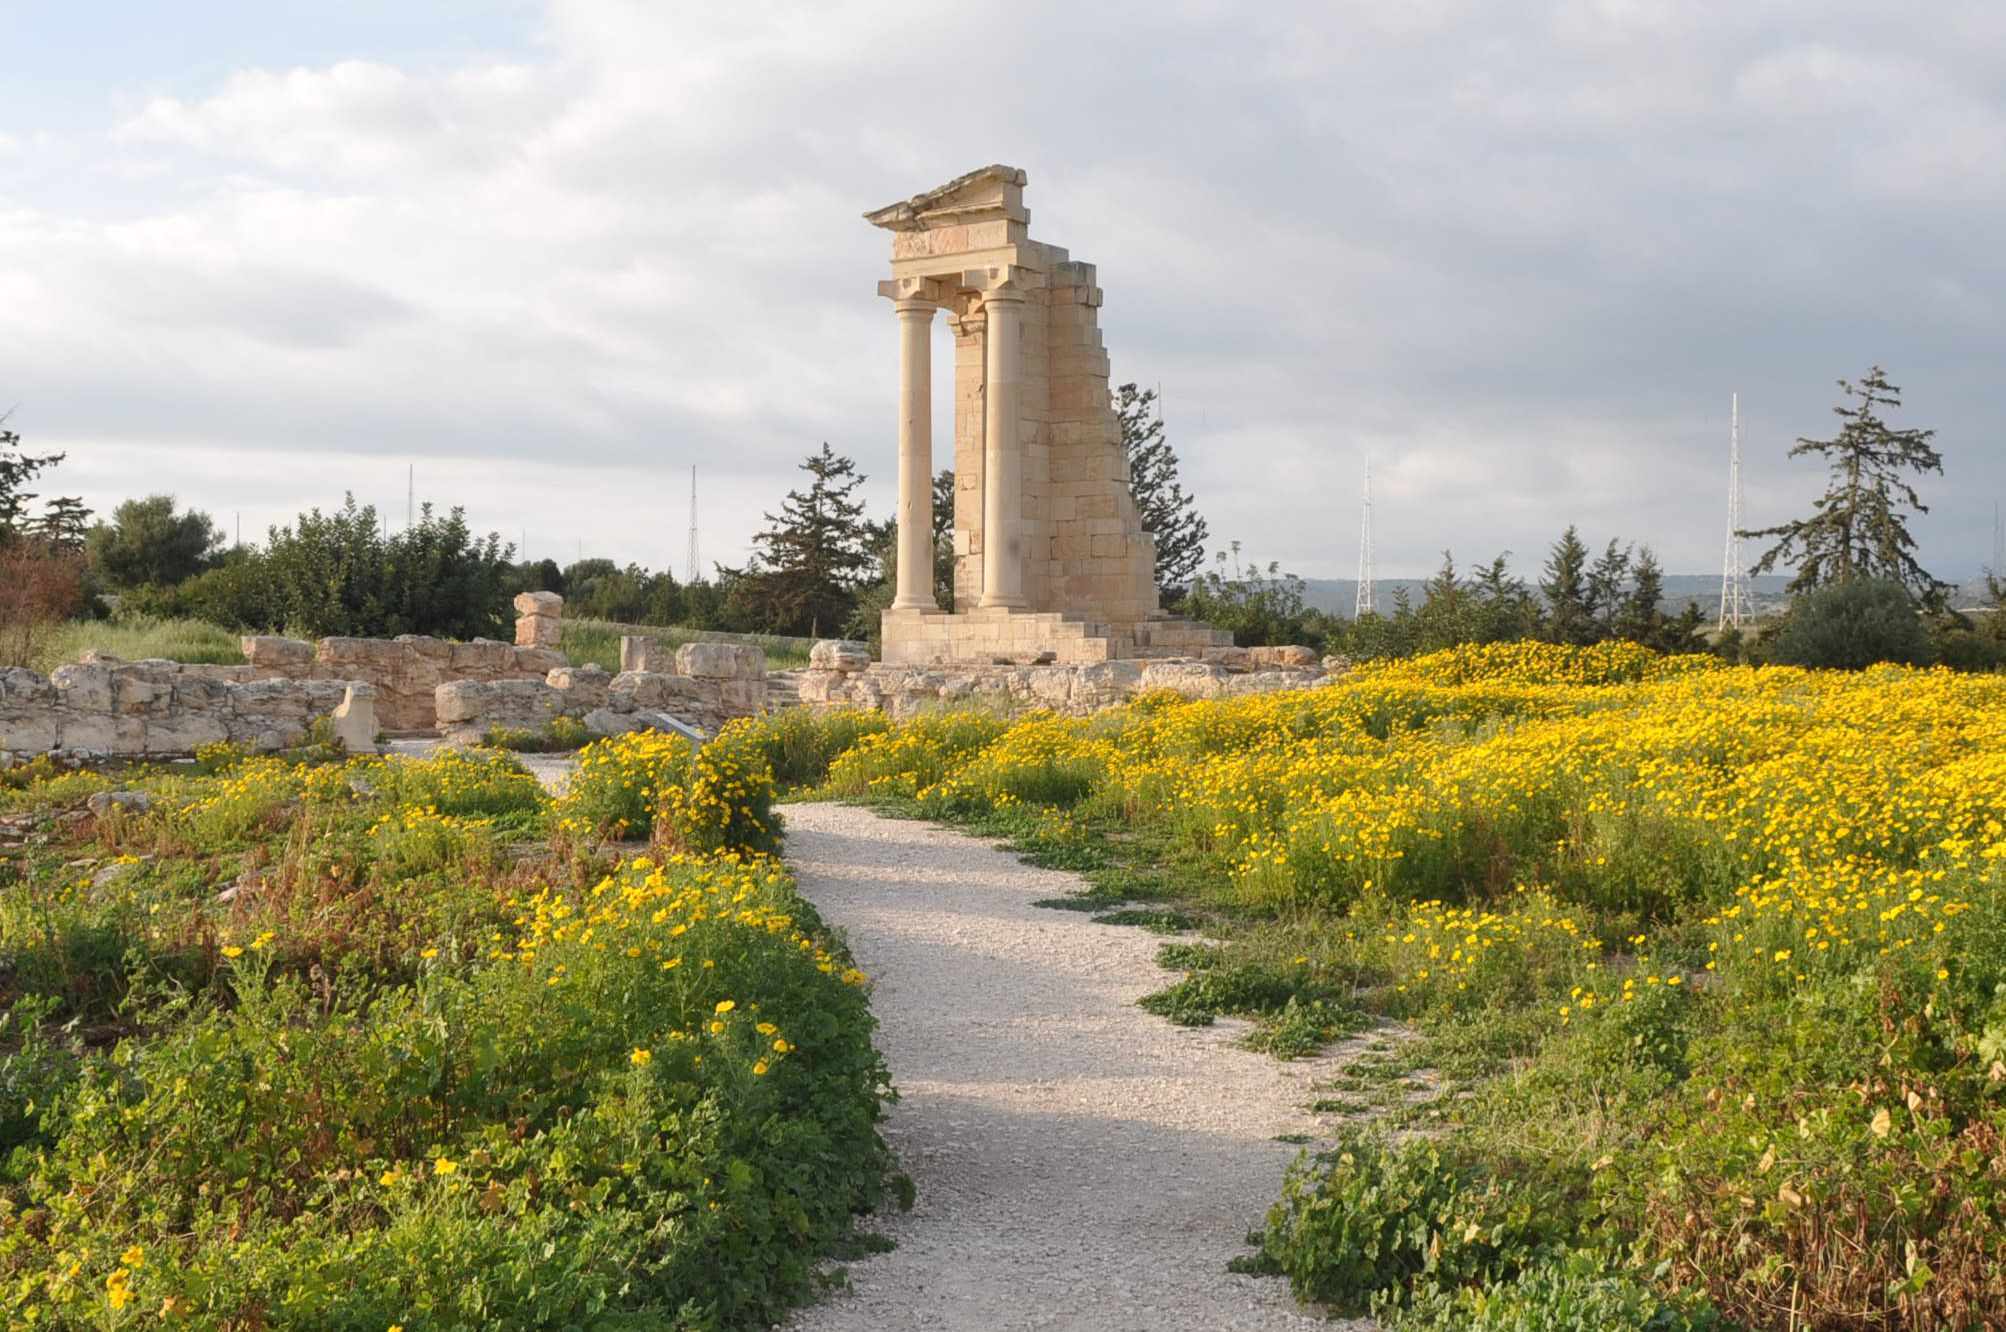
1080, 1164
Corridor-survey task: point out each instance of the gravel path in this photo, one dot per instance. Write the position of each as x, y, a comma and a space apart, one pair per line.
1080, 1164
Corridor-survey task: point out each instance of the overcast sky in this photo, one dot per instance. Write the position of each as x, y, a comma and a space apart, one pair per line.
259, 253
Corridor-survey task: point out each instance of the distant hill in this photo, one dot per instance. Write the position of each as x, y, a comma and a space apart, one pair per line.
1336, 596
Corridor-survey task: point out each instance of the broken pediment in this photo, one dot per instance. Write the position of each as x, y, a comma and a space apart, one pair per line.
990, 193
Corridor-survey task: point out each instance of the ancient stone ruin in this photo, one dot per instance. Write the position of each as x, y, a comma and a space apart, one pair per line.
102, 707
1051, 562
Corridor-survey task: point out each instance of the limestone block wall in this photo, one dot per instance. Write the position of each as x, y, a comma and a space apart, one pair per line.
711, 684
1076, 690
156, 709
406, 671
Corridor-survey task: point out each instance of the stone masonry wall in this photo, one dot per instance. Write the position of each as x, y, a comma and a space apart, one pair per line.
106, 707
842, 675
406, 671
709, 685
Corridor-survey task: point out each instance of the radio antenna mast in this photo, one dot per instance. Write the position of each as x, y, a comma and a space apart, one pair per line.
1734, 598
695, 566
1367, 602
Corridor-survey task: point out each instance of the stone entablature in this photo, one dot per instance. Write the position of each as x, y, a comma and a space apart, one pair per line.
1045, 524
104, 707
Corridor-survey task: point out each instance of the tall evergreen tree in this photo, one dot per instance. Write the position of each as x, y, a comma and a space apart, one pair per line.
1168, 514
1569, 617
65, 523
1859, 529
1608, 579
1505, 608
814, 554
17, 470
1642, 614
943, 539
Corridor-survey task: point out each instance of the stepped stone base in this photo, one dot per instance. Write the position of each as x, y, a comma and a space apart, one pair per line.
994, 636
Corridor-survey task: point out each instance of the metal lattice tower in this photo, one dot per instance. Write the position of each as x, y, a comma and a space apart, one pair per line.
1366, 603
1998, 569
695, 565
1734, 597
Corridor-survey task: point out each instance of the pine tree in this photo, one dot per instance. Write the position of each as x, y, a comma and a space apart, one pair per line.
1608, 579
1565, 587
943, 540
1505, 609
814, 555
65, 523
1443, 619
1859, 528
17, 469
1642, 613
1168, 514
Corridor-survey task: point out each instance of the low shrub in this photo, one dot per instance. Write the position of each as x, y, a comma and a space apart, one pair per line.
798, 744
557, 736
1851, 625
1370, 1221
908, 759
1555, 1297
653, 784
393, 1075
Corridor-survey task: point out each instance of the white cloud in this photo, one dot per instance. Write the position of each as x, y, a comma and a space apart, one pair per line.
1522, 256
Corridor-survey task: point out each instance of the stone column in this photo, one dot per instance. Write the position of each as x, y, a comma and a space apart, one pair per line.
1003, 450
915, 562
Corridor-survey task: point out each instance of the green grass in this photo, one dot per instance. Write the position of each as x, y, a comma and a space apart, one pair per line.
138, 637
598, 642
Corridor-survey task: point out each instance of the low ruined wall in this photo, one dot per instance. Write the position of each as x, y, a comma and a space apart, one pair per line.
842, 675
406, 671
710, 683
104, 707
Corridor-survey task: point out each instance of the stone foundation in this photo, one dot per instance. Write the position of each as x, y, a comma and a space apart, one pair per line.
406, 671
1075, 690
711, 684
104, 707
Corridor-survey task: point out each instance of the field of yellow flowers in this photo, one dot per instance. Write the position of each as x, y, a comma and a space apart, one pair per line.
1712, 959
401, 1043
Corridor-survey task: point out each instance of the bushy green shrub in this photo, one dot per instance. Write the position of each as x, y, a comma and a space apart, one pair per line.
1554, 1297
1850, 625
559, 735
1370, 1219
913, 756
392, 1078
798, 744
651, 784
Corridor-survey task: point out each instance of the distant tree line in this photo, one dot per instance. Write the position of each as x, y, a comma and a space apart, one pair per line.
822, 566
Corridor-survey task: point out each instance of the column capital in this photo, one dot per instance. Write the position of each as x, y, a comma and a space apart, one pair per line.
1003, 283
914, 308
931, 290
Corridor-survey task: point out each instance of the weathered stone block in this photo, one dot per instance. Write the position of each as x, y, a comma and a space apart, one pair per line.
723, 661
539, 603
642, 652
272, 652
355, 719
545, 631
834, 654
1288, 656
584, 687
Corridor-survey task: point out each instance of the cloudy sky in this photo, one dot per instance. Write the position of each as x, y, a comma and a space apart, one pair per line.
553, 254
